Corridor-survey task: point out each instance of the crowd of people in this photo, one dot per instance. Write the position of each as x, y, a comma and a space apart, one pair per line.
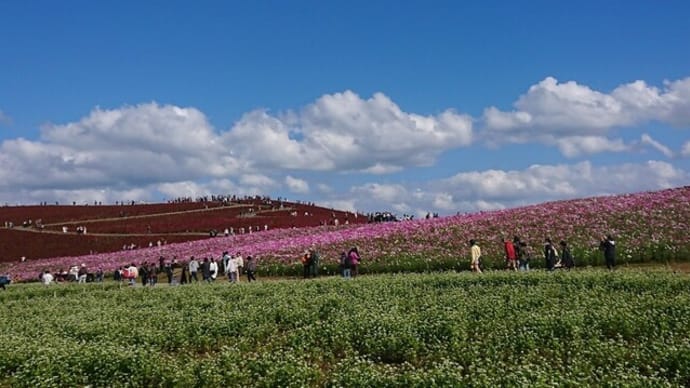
208, 269
518, 254
79, 274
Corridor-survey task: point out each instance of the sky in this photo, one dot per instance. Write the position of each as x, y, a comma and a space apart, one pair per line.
410, 107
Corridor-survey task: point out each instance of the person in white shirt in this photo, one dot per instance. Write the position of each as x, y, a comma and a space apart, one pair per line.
240, 265
213, 266
231, 270
47, 278
193, 268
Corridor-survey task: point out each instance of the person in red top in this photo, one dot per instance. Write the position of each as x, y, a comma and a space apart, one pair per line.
511, 256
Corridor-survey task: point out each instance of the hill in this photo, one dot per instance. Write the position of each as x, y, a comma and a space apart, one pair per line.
37, 231
647, 226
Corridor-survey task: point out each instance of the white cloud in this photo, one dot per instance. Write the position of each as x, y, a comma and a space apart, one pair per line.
646, 139
146, 151
381, 192
122, 148
324, 188
340, 204
296, 185
499, 189
685, 151
258, 180
577, 118
573, 146
344, 132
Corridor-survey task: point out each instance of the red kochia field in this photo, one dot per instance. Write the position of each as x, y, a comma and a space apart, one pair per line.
649, 226
109, 227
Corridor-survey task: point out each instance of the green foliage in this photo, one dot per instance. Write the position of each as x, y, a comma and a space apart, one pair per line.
591, 328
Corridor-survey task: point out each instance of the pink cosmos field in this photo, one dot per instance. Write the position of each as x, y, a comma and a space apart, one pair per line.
647, 226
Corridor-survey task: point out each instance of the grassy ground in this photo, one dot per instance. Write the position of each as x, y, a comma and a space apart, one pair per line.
586, 327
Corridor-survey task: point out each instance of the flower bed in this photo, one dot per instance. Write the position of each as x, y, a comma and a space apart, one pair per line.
647, 226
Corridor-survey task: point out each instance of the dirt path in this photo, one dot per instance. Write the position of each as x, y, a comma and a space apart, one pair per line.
142, 216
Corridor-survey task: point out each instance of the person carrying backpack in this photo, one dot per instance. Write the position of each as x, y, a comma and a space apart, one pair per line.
345, 265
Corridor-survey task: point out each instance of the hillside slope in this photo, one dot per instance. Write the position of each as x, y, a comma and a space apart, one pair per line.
647, 226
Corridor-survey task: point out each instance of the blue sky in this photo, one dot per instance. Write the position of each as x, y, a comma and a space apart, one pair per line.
403, 106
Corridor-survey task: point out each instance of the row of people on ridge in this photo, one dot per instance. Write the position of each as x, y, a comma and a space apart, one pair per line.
518, 254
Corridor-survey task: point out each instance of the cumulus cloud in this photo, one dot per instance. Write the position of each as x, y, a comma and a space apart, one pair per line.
346, 132
296, 185
551, 111
498, 189
120, 148
146, 151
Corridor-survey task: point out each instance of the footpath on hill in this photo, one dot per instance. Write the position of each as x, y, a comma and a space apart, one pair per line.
144, 216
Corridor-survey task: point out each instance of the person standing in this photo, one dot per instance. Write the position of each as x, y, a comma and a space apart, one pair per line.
314, 265
153, 275
550, 255
231, 270
144, 273
213, 266
206, 270
225, 259
511, 255
183, 275
345, 265
82, 274
608, 246
524, 255
167, 266
46, 279
306, 264
251, 268
193, 269
567, 260
355, 259
132, 274
476, 253
240, 265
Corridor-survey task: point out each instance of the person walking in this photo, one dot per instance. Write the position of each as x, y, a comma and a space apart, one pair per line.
511, 254
231, 270
183, 275
213, 267
524, 254
355, 260
314, 264
251, 268
193, 269
306, 264
550, 255
476, 254
345, 265
206, 270
567, 260
608, 246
